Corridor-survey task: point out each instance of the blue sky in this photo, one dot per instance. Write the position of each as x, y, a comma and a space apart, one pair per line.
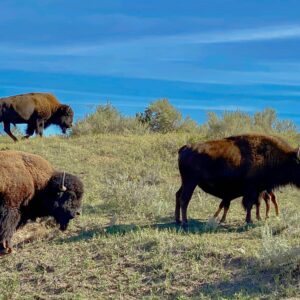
202, 55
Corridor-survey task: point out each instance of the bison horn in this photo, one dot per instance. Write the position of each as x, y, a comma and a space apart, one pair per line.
63, 187
298, 153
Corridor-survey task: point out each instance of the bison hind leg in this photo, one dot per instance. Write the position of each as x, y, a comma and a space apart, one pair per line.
9, 219
185, 197
177, 206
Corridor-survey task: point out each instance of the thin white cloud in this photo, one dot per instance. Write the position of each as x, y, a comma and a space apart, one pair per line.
213, 37
244, 35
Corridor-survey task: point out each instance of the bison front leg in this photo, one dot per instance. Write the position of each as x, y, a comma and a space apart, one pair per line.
226, 209
29, 130
266, 197
9, 219
274, 201
224, 204
39, 127
258, 217
7, 130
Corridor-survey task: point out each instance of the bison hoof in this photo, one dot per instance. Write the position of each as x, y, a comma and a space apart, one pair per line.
185, 226
5, 251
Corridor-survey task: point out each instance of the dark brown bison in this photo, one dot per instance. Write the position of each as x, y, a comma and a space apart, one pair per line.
38, 110
31, 188
267, 196
236, 166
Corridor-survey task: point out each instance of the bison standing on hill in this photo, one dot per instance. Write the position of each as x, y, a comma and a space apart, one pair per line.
236, 166
31, 188
38, 110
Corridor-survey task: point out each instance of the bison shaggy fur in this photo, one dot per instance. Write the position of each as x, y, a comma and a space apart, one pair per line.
37, 110
30, 188
236, 166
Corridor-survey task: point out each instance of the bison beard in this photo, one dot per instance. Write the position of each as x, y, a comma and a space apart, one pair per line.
63, 206
237, 166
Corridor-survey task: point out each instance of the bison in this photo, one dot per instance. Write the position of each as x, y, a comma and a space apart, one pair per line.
30, 188
267, 196
243, 165
37, 110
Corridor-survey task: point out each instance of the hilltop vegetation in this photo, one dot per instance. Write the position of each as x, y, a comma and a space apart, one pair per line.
125, 245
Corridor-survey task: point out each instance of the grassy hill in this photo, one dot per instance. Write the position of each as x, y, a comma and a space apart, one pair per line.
125, 245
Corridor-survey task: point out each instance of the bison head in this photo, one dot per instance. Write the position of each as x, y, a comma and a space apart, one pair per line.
64, 117
64, 194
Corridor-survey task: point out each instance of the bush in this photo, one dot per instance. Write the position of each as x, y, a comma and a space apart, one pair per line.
107, 119
162, 117
232, 123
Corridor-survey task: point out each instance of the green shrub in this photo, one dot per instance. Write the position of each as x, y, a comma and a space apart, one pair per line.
107, 119
231, 123
162, 117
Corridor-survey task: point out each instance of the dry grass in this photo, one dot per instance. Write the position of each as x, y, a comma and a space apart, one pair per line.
125, 245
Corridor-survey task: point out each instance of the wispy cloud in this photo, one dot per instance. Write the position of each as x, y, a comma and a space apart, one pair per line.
210, 37
244, 35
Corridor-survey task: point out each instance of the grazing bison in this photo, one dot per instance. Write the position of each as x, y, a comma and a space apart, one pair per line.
243, 165
267, 196
38, 110
31, 188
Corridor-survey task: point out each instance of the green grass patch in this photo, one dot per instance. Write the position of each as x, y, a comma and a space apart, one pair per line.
126, 245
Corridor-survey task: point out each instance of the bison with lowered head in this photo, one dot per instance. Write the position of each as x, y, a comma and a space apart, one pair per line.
30, 188
38, 110
243, 165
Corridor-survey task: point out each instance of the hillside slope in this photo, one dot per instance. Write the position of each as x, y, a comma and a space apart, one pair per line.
126, 246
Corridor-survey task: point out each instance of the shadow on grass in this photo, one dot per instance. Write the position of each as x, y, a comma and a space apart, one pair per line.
248, 283
195, 227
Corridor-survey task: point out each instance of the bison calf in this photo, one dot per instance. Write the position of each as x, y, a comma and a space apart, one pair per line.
31, 188
38, 110
267, 196
237, 166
